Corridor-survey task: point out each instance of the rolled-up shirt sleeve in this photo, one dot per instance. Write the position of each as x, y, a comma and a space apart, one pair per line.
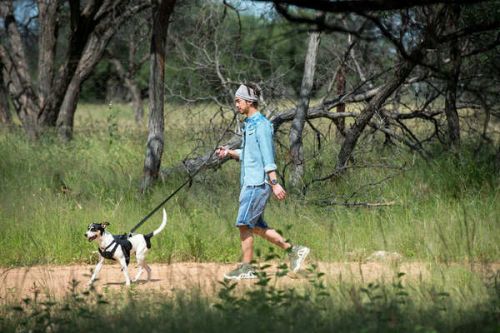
238, 152
265, 141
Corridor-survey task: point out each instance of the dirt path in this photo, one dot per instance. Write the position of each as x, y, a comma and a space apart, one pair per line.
17, 283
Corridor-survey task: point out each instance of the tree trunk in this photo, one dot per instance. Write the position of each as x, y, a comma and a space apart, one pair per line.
451, 84
47, 49
341, 83
92, 53
132, 87
5, 117
66, 117
296, 146
16, 73
25, 107
353, 134
161, 10
497, 160
137, 104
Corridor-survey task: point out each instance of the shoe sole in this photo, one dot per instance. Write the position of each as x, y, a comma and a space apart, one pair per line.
301, 259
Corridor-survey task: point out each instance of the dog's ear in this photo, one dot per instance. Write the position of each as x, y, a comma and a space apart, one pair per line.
105, 224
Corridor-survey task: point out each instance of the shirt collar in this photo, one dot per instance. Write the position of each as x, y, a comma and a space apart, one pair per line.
253, 118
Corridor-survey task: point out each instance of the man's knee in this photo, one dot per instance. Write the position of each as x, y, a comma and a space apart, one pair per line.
245, 231
260, 231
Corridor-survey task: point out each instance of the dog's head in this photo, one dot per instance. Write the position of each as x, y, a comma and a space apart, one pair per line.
95, 230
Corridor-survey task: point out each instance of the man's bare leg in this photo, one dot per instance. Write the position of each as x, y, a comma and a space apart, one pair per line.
246, 237
272, 236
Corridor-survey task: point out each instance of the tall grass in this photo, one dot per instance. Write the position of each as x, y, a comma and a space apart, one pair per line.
446, 210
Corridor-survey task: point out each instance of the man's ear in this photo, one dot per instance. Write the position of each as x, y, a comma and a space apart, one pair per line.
105, 224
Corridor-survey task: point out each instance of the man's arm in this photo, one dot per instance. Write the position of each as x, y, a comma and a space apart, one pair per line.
223, 152
265, 141
264, 134
278, 190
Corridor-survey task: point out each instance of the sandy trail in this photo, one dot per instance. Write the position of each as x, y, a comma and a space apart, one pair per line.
17, 283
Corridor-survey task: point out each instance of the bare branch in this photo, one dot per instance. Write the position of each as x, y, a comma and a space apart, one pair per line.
364, 5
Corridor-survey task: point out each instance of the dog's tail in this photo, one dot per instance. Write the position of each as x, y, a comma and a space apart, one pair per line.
162, 225
157, 231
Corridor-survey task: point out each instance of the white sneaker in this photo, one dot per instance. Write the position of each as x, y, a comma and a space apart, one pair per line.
297, 255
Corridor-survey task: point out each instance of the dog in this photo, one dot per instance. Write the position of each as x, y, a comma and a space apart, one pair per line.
119, 248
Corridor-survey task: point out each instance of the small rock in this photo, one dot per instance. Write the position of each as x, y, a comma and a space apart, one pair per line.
384, 256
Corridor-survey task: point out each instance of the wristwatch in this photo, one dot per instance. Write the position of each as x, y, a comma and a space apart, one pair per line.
274, 181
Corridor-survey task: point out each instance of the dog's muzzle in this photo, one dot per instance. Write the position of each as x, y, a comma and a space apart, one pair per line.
91, 238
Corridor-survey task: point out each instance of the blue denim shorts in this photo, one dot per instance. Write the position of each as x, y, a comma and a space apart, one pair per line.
253, 201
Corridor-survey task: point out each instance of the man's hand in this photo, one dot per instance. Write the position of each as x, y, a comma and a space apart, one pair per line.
222, 152
279, 192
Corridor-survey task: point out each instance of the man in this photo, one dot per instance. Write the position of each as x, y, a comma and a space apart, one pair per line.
258, 179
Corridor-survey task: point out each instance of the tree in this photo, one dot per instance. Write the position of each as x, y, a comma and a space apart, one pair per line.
128, 52
161, 12
452, 79
296, 146
394, 40
49, 98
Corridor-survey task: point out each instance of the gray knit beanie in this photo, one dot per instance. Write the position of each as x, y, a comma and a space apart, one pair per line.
247, 93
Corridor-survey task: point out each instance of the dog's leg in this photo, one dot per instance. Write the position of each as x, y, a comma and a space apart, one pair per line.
140, 256
148, 270
96, 271
123, 264
140, 264
141, 260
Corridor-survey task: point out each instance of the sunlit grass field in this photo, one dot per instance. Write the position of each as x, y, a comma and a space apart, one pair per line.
446, 210
441, 213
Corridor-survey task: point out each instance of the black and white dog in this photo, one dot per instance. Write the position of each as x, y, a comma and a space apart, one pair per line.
119, 247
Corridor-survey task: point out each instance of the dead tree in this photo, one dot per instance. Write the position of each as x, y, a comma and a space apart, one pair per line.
296, 146
209, 160
402, 71
161, 12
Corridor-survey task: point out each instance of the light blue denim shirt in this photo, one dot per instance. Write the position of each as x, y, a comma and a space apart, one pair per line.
257, 150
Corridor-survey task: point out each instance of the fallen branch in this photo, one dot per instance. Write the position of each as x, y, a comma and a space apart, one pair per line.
319, 111
359, 204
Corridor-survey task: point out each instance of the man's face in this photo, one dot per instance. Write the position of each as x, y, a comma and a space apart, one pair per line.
242, 106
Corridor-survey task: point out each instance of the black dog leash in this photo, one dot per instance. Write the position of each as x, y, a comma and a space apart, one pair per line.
145, 218
188, 181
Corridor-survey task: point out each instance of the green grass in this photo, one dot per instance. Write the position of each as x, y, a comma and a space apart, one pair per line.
442, 211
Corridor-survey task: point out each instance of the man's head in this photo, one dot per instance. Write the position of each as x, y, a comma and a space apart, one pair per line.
247, 99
